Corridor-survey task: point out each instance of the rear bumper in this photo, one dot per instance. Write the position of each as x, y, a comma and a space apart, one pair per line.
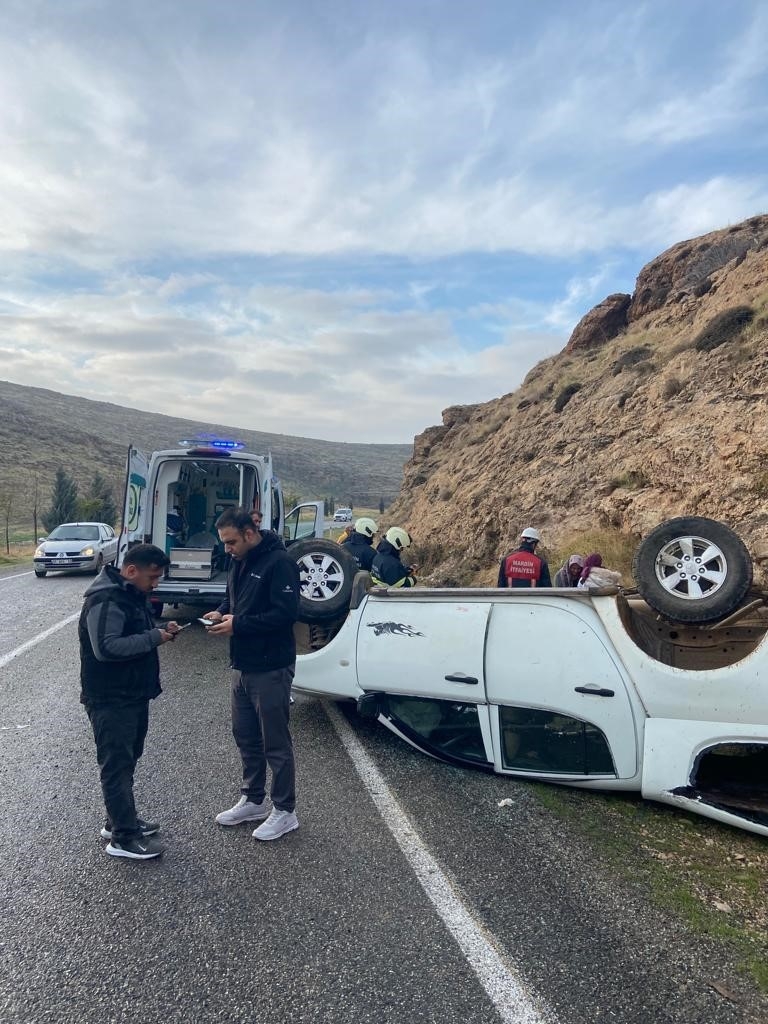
202, 593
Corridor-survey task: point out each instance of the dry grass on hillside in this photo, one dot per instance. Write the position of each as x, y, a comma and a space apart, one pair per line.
617, 548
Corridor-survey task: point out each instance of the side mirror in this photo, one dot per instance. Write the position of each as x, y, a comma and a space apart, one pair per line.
41, 540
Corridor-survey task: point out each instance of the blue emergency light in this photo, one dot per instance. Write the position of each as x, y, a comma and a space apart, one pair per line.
209, 441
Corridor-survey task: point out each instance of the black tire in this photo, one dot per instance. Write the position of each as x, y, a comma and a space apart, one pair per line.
40, 573
326, 572
157, 608
99, 564
693, 569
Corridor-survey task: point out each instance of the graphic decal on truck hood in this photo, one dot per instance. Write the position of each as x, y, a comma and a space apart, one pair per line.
395, 628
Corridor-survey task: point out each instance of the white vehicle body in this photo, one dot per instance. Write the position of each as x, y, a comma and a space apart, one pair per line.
342, 515
173, 499
565, 686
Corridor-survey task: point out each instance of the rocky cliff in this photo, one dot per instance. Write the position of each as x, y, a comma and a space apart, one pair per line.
656, 407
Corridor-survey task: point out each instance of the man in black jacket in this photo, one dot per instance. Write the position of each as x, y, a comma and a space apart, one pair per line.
360, 542
258, 614
119, 675
387, 570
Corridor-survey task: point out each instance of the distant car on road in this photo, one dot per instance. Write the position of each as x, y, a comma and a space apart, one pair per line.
76, 547
342, 515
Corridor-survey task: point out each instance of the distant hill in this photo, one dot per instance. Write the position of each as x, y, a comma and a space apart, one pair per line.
41, 430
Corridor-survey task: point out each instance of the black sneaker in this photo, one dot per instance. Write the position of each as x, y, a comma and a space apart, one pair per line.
148, 828
136, 849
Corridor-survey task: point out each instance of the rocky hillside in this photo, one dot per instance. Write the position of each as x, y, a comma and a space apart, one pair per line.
657, 407
41, 430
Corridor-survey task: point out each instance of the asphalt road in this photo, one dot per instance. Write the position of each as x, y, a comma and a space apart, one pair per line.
329, 924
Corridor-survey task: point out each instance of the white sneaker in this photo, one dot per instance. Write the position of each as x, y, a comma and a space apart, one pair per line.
277, 824
244, 810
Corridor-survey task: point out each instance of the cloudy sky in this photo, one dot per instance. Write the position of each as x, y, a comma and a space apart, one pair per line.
335, 218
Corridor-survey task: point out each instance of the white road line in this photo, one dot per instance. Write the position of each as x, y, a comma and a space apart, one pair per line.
514, 1003
37, 639
17, 576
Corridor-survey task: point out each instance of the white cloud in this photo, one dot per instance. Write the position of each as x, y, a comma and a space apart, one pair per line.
158, 165
335, 365
685, 210
402, 147
732, 100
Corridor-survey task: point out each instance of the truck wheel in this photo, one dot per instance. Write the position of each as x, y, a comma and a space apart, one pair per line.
157, 608
326, 572
40, 573
693, 569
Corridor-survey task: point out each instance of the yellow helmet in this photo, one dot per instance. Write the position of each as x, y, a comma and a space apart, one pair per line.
398, 538
367, 527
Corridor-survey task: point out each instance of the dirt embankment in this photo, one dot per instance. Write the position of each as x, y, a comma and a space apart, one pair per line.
656, 407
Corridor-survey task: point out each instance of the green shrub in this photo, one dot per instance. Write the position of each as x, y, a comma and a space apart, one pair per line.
565, 395
630, 358
644, 368
725, 327
631, 480
680, 346
672, 386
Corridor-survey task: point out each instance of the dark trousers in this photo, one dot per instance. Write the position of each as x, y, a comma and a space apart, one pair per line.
260, 717
119, 731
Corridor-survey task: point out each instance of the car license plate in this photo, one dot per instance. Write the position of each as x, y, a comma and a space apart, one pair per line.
63, 561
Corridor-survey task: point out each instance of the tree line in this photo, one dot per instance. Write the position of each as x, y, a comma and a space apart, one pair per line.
67, 504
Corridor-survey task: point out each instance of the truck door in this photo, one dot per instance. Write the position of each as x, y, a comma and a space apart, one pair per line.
562, 709
423, 659
304, 521
134, 501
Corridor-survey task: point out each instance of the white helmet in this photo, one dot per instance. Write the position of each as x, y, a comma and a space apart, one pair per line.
366, 526
530, 534
398, 538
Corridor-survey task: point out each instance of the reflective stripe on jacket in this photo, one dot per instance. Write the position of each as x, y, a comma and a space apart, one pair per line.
387, 569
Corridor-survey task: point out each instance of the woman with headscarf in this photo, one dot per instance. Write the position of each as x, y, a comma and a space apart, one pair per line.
594, 575
570, 571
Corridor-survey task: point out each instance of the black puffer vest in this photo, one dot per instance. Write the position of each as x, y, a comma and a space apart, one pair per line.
124, 680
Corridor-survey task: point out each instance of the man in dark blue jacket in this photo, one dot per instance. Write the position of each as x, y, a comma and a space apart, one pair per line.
360, 542
258, 614
119, 675
387, 569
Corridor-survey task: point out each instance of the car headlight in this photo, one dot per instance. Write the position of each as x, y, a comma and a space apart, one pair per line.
40, 551
87, 551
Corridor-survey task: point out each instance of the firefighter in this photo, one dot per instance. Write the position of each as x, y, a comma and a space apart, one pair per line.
387, 569
360, 542
523, 567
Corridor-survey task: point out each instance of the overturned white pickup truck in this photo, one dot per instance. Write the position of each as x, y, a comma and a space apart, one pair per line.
665, 691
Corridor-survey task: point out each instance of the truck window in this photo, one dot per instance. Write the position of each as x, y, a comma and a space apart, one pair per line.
445, 726
544, 741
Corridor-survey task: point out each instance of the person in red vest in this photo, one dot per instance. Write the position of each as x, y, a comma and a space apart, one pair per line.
523, 567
